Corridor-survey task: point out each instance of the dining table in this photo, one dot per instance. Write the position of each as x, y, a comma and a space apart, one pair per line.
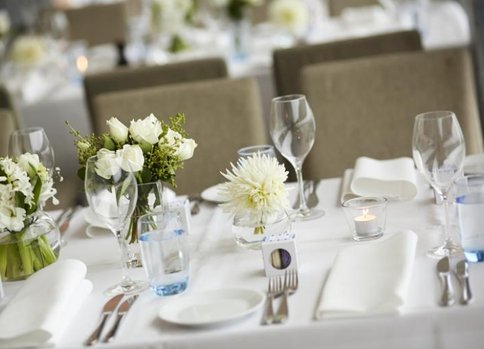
217, 263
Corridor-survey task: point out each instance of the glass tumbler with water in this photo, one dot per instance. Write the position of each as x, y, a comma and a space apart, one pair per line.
164, 251
470, 208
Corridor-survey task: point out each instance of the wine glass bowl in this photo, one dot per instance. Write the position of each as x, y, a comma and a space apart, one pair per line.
292, 128
438, 151
113, 201
32, 140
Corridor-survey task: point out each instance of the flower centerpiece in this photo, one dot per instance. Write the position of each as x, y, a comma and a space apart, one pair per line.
255, 195
149, 148
27, 50
169, 17
291, 16
29, 239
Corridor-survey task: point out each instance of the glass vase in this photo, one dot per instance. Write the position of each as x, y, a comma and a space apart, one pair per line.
33, 248
240, 38
151, 198
250, 235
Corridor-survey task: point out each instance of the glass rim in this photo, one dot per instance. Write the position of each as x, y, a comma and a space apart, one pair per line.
288, 98
365, 202
26, 130
252, 147
435, 114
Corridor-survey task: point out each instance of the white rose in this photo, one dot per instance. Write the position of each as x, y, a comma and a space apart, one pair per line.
131, 158
186, 149
117, 130
27, 50
171, 138
292, 15
107, 164
147, 130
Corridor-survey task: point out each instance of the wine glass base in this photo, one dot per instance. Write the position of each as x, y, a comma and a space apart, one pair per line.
312, 214
129, 288
448, 249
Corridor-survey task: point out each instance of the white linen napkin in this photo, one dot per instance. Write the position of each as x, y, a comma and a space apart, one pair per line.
40, 311
370, 278
395, 178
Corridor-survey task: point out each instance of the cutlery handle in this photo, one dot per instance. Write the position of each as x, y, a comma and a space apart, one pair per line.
268, 317
466, 291
447, 292
94, 337
112, 332
283, 311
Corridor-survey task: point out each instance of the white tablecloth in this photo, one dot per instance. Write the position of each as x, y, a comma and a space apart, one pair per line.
218, 262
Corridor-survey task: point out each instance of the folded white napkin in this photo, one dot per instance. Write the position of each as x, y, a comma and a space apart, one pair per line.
395, 178
40, 311
369, 278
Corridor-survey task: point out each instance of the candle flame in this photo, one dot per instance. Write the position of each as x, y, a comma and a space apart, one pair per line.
365, 212
82, 64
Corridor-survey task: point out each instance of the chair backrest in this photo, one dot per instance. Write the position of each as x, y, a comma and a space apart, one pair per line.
8, 124
289, 62
133, 78
367, 107
99, 23
222, 116
6, 102
336, 7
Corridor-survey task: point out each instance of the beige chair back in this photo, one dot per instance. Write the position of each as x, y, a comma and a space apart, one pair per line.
222, 116
336, 7
6, 102
289, 62
8, 124
133, 78
367, 107
98, 23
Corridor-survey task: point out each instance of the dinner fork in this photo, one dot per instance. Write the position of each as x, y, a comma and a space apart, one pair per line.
274, 288
291, 282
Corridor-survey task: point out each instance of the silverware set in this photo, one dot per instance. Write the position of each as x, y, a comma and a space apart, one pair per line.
118, 305
445, 273
279, 286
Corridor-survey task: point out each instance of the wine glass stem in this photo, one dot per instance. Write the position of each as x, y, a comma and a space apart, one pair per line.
445, 200
123, 245
303, 207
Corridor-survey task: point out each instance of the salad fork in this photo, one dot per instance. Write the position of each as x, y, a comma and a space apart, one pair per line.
275, 287
291, 282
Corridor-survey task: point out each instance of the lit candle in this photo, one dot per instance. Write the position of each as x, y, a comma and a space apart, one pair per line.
82, 64
366, 223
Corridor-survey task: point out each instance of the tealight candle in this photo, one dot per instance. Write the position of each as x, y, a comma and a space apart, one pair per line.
365, 217
366, 223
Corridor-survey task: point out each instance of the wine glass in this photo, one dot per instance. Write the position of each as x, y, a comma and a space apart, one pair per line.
32, 140
438, 152
292, 129
113, 200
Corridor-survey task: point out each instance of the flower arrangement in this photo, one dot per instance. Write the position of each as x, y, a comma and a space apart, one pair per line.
149, 148
28, 50
290, 15
25, 187
256, 189
4, 23
169, 17
236, 9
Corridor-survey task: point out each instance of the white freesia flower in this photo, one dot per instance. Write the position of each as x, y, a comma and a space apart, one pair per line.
292, 15
255, 187
131, 158
107, 164
4, 23
17, 180
31, 164
117, 130
27, 50
146, 130
12, 218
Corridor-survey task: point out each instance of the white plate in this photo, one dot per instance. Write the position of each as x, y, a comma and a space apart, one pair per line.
211, 194
211, 307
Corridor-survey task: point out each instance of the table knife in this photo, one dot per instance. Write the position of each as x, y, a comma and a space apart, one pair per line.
462, 271
108, 309
443, 269
122, 311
